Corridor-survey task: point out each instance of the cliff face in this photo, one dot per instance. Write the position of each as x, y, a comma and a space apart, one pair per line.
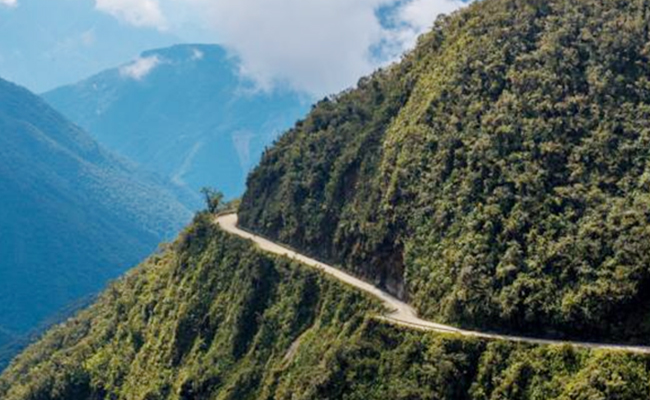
497, 176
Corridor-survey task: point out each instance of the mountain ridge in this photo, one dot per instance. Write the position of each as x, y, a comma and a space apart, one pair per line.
184, 112
73, 216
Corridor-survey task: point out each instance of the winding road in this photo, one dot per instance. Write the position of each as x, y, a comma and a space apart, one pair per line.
401, 313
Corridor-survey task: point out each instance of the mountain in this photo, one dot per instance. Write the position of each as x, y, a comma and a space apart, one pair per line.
184, 112
214, 318
73, 215
6, 336
498, 177
495, 177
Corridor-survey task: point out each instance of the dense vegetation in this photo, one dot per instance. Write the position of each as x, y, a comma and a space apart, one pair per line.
72, 216
192, 117
213, 318
497, 177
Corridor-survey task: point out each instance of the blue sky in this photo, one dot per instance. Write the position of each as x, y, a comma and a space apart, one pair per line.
314, 46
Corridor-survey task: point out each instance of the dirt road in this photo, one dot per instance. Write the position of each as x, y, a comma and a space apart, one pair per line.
401, 313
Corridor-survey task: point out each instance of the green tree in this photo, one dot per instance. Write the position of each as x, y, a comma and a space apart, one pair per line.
213, 199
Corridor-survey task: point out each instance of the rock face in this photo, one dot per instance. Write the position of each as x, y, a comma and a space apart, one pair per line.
73, 215
183, 112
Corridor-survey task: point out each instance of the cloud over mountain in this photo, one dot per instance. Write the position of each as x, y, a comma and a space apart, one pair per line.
140, 68
319, 46
316, 46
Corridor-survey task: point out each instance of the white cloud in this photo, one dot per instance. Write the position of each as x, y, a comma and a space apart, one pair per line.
141, 13
319, 46
9, 3
421, 14
417, 16
140, 68
306, 43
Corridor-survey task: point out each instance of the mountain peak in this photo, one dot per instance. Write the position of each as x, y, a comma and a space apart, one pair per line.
184, 112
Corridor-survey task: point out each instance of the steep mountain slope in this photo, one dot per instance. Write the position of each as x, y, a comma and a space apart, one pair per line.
497, 177
183, 112
214, 318
73, 216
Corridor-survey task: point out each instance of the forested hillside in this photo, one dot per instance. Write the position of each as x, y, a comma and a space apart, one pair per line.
72, 216
213, 318
497, 177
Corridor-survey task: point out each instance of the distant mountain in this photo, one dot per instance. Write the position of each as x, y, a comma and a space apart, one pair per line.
184, 112
73, 216
5, 336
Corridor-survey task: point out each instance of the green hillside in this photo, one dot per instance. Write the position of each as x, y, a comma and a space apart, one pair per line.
213, 318
497, 177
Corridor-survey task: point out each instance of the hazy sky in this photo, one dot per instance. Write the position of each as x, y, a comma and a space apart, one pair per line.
316, 46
